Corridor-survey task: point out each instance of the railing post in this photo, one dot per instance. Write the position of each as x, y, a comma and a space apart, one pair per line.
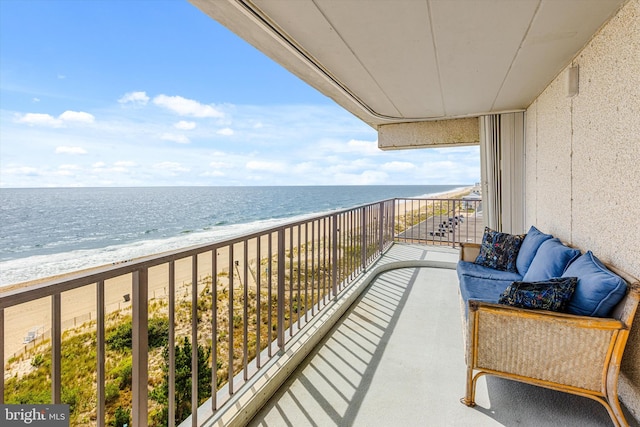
100, 353
172, 345
455, 224
393, 220
334, 255
56, 338
381, 227
140, 346
281, 291
364, 229
2, 355
194, 340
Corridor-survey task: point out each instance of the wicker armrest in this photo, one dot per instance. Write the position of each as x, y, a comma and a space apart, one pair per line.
469, 251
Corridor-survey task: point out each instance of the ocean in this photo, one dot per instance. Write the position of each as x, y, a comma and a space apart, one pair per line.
45, 232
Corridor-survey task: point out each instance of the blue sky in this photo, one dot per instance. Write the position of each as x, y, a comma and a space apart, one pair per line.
154, 92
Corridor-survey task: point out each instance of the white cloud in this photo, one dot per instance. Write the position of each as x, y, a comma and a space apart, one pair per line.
125, 164
171, 167
22, 170
138, 98
36, 99
365, 148
69, 167
397, 166
184, 125
41, 119
62, 76
65, 149
225, 132
187, 107
220, 165
38, 119
99, 165
180, 139
77, 116
213, 173
257, 165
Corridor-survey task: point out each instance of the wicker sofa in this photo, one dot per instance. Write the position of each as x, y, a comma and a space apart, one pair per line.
577, 354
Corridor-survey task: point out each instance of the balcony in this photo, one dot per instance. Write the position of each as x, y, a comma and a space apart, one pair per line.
396, 358
356, 298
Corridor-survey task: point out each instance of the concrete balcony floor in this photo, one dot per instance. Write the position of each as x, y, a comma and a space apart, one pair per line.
396, 359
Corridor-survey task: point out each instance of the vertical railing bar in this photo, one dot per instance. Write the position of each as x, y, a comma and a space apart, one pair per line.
381, 214
214, 329
270, 293
140, 346
321, 287
290, 281
350, 242
413, 220
281, 290
258, 300
56, 341
342, 234
329, 250
313, 264
172, 344
455, 224
395, 207
194, 340
2, 337
334, 273
306, 271
245, 312
298, 299
230, 322
364, 229
100, 354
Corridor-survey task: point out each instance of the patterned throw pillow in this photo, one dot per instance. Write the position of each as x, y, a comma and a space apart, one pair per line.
499, 250
553, 294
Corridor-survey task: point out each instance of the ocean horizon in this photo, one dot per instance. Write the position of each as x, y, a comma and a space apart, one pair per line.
51, 231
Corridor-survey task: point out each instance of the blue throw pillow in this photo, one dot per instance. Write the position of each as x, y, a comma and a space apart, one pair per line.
499, 250
529, 247
551, 259
598, 290
553, 294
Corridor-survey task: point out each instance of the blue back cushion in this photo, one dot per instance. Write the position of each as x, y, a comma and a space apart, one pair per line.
551, 259
529, 247
598, 289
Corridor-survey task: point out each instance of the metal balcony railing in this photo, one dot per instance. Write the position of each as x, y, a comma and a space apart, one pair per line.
203, 320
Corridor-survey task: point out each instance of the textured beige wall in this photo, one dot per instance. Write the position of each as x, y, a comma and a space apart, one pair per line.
439, 133
583, 161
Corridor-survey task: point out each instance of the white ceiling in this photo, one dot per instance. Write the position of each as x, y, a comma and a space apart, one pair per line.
390, 61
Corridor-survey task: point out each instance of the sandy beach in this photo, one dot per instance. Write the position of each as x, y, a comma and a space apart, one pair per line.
79, 305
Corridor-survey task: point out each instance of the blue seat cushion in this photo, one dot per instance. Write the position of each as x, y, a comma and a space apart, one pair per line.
480, 271
551, 260
480, 289
598, 289
529, 247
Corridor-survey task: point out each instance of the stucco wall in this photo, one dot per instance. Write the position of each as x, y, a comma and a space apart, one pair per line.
583, 161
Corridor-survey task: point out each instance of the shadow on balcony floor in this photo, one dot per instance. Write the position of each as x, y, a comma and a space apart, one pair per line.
396, 358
